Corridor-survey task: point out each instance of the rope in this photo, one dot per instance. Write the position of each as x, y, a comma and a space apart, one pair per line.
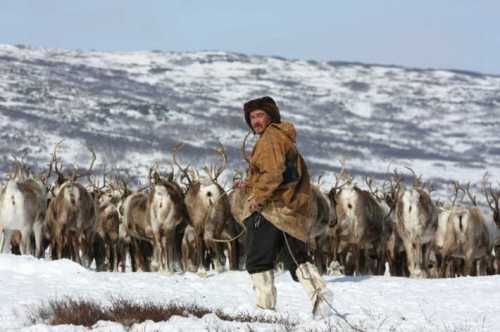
317, 291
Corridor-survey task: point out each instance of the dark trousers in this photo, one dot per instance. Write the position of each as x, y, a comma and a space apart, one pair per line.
265, 242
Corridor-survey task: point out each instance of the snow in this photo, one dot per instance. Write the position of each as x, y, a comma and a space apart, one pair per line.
362, 109
379, 303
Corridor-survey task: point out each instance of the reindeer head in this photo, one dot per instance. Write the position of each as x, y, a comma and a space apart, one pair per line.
63, 179
166, 199
205, 189
115, 191
393, 187
19, 172
340, 183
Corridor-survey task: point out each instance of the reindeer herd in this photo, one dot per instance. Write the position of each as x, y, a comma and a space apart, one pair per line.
184, 220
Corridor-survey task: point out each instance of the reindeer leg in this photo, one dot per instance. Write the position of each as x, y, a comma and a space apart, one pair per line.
356, 259
444, 265
26, 248
469, 265
133, 250
38, 232
6, 246
168, 249
216, 252
232, 250
75, 246
157, 252
200, 251
113, 256
2, 238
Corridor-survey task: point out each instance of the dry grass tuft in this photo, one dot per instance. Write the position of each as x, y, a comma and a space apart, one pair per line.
126, 312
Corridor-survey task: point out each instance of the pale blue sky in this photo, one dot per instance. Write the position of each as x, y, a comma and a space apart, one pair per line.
458, 34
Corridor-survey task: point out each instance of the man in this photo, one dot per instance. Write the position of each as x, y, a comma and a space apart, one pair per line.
277, 209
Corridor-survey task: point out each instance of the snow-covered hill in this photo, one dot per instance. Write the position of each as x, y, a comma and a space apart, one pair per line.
368, 303
133, 107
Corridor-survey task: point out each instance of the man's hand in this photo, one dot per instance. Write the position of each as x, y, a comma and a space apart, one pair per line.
239, 184
254, 206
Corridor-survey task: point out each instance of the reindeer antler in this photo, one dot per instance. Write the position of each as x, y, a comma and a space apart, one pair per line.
369, 183
53, 160
214, 172
493, 201
457, 188
336, 188
471, 197
344, 174
243, 150
184, 170
77, 175
171, 174
417, 180
222, 152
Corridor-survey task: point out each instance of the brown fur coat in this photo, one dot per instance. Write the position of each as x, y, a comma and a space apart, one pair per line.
288, 205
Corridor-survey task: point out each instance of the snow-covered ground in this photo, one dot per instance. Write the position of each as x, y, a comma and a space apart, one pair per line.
369, 303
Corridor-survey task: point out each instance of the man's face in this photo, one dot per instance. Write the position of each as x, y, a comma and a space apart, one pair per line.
259, 121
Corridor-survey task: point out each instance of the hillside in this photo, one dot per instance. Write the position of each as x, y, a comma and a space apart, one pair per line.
134, 107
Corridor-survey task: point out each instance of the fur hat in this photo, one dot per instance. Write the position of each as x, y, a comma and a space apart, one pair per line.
266, 104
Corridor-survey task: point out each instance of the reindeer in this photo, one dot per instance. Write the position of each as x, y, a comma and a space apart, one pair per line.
209, 212
71, 218
137, 231
168, 218
22, 210
154, 223
462, 233
321, 234
395, 254
115, 194
493, 199
416, 222
361, 231
107, 226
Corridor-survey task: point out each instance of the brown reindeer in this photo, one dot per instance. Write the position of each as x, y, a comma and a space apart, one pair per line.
361, 231
71, 218
209, 213
154, 223
462, 234
115, 193
107, 226
493, 199
395, 254
137, 231
168, 217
